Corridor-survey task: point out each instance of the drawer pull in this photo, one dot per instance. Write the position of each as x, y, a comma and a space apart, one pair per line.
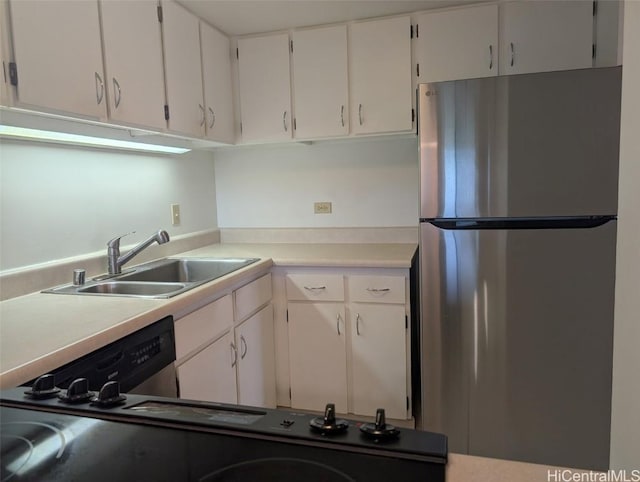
358, 324
315, 288
243, 345
378, 290
234, 354
338, 323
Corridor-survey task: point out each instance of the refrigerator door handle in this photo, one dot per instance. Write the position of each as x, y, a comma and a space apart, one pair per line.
522, 223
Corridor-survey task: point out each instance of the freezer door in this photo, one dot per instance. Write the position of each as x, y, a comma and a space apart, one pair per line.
516, 342
534, 145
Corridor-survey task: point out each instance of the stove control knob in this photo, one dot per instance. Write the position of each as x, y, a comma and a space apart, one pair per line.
380, 430
78, 392
109, 395
328, 424
44, 387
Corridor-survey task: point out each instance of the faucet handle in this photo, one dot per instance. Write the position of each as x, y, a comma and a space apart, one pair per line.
115, 242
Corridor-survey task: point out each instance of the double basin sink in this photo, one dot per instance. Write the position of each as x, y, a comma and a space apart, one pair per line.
158, 279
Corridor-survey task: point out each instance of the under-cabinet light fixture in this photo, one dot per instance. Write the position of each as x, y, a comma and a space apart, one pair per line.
51, 136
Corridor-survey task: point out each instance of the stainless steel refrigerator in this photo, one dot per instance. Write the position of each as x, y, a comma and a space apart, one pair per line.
519, 180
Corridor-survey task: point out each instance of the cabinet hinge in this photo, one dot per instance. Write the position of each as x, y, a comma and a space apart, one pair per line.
417, 70
160, 13
411, 32
13, 73
593, 51
291, 45
166, 112
595, 7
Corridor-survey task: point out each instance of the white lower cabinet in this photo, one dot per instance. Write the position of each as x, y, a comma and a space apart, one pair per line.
210, 375
349, 341
379, 359
225, 358
317, 355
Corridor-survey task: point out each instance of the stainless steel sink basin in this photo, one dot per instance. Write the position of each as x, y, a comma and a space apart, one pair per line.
158, 279
186, 270
132, 288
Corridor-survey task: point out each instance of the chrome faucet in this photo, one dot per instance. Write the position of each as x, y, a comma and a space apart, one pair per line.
113, 250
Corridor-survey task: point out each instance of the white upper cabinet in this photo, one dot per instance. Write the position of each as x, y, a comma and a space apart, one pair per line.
456, 44
183, 71
133, 63
218, 91
265, 88
58, 57
320, 82
380, 75
543, 35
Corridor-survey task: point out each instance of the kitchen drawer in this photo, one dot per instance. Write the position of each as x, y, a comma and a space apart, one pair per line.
315, 287
203, 326
252, 296
377, 289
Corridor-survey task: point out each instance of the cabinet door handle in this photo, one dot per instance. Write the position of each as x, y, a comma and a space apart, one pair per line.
358, 324
513, 54
234, 354
203, 115
117, 91
378, 290
315, 288
99, 88
284, 121
490, 57
360, 113
243, 347
338, 323
342, 115
213, 118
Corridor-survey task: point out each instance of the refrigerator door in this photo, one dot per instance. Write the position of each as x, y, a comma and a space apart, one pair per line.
516, 337
535, 145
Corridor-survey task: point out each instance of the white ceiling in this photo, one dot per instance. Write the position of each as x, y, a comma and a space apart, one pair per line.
239, 17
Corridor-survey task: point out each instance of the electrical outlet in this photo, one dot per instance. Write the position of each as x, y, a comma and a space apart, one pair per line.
322, 208
175, 214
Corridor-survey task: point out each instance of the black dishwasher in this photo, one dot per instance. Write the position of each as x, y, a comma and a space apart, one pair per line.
141, 362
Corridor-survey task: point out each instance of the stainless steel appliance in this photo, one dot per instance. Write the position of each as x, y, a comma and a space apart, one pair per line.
517, 258
159, 439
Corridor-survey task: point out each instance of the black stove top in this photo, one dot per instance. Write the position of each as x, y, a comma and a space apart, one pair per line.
162, 439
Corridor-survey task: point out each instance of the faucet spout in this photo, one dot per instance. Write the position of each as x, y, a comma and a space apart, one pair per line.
116, 261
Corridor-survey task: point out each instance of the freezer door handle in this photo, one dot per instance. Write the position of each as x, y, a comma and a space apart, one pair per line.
521, 223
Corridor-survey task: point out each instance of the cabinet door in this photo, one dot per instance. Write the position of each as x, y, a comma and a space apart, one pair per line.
211, 375
380, 63
183, 70
265, 88
216, 73
256, 360
320, 82
59, 56
133, 63
457, 44
317, 355
379, 359
538, 36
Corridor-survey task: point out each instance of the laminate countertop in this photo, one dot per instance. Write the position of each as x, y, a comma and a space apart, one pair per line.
40, 331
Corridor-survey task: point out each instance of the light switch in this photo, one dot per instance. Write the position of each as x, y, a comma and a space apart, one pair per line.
175, 214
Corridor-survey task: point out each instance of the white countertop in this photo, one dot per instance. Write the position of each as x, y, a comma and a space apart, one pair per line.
40, 332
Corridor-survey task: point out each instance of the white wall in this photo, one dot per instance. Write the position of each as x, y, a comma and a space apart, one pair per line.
625, 423
60, 201
372, 182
